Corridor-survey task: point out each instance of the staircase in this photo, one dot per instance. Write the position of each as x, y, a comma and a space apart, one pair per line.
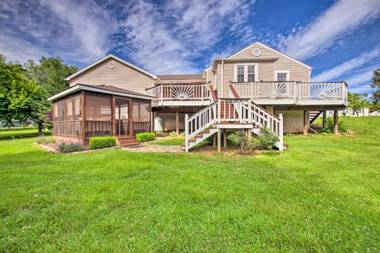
313, 115
231, 113
127, 141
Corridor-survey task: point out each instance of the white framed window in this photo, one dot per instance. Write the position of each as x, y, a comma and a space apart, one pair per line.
281, 75
246, 72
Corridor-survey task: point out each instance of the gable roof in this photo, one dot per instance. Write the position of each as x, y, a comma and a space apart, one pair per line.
272, 49
110, 56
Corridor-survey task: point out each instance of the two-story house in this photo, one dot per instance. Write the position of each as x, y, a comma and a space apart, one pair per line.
254, 88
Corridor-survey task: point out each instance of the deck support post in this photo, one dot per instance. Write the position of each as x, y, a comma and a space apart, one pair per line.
324, 119
225, 138
177, 123
113, 127
305, 123
214, 141
336, 128
219, 140
83, 114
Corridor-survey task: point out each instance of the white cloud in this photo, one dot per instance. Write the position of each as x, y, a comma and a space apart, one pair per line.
362, 78
89, 23
352, 64
35, 28
342, 17
168, 39
18, 50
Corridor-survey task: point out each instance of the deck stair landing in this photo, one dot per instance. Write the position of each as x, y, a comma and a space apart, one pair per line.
230, 113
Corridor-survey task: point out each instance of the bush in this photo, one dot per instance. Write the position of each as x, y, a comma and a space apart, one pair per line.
70, 147
44, 140
173, 134
330, 125
241, 141
102, 142
266, 139
145, 136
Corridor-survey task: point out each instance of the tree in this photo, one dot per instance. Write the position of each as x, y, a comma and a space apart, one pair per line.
357, 101
21, 98
376, 89
50, 74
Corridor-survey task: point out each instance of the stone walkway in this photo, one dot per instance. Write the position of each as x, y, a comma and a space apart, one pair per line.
155, 148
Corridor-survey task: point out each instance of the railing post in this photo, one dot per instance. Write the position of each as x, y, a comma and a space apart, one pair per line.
250, 111
186, 133
218, 111
281, 133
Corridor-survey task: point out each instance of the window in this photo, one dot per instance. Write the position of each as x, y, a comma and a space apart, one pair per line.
240, 73
251, 73
282, 76
246, 72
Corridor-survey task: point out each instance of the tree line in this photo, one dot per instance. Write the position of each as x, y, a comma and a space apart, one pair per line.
24, 89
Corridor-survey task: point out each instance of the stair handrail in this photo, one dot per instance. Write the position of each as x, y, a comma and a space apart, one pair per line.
199, 121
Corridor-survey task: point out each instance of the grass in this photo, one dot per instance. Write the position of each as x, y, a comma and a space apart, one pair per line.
322, 195
13, 133
168, 141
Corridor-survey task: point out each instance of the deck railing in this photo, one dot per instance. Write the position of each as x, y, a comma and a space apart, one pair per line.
180, 92
233, 111
292, 90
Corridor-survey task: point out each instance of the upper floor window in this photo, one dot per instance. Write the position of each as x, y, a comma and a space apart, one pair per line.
246, 72
282, 75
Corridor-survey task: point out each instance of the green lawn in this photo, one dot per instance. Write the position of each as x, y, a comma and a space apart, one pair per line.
322, 195
14, 133
169, 141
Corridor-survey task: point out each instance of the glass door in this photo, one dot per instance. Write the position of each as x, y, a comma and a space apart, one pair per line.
122, 116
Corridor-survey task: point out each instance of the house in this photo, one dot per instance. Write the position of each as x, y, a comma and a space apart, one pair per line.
362, 112
254, 88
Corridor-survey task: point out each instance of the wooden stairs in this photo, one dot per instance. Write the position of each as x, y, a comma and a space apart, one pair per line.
313, 115
127, 141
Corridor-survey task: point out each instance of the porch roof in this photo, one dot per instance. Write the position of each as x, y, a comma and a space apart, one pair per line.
105, 89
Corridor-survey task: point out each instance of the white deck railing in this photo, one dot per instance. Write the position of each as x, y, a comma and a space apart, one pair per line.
232, 111
292, 90
180, 91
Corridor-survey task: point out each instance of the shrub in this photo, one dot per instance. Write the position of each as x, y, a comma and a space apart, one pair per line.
241, 141
234, 139
102, 142
266, 139
70, 147
44, 140
173, 134
330, 125
145, 136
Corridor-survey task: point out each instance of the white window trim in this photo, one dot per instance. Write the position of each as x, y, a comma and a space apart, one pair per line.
246, 71
282, 71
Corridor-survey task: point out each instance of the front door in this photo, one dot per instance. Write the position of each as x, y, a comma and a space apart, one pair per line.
122, 116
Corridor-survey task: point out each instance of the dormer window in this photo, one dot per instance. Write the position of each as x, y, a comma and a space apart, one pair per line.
246, 72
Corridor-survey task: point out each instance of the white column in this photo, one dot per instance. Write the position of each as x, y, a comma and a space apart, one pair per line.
281, 132
186, 133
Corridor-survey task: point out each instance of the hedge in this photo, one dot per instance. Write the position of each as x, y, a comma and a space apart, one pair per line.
69, 147
145, 136
102, 142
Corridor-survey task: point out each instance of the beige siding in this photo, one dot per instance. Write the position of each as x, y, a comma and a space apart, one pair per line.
266, 70
209, 76
120, 75
293, 121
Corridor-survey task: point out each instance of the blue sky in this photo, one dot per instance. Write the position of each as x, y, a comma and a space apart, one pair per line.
340, 39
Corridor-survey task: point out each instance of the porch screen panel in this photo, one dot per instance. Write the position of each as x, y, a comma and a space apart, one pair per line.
141, 116
98, 113
66, 117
